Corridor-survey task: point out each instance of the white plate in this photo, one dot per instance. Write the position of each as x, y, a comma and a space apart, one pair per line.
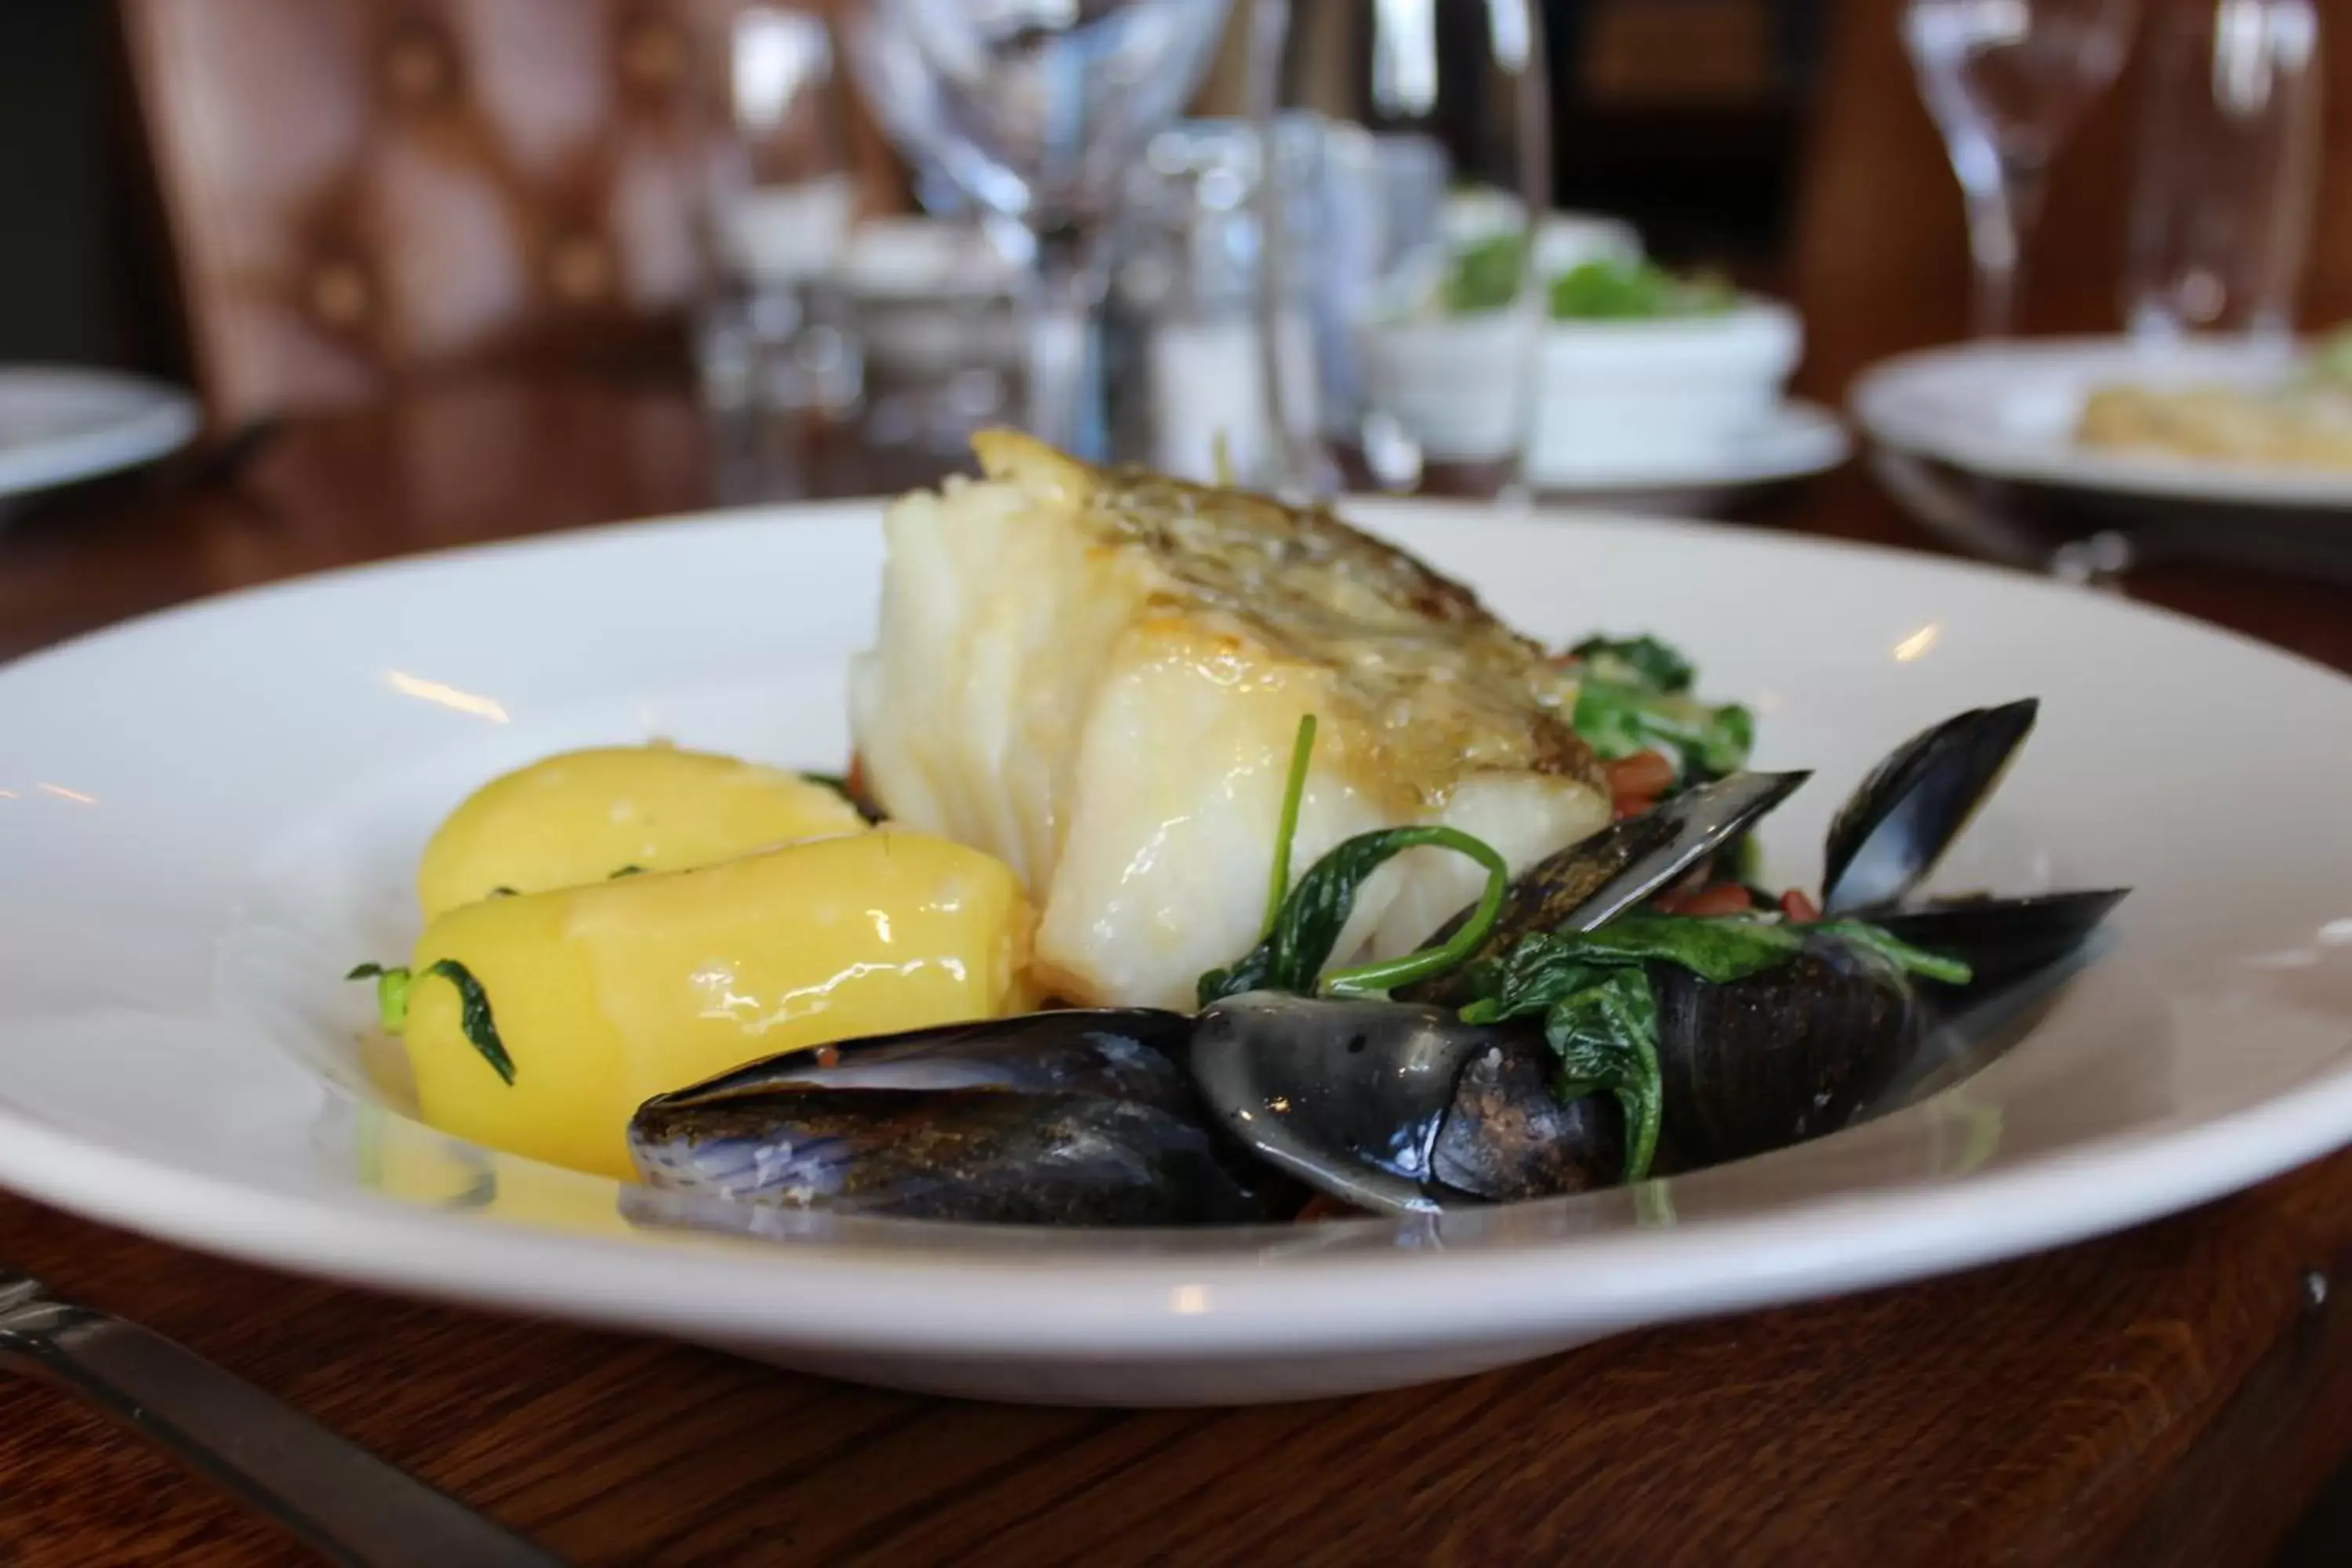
1798, 439
210, 813
2007, 410
60, 424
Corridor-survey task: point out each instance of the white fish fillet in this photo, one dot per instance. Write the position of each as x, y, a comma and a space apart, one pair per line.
1099, 677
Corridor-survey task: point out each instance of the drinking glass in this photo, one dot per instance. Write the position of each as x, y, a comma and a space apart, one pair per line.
774, 332
2007, 81
1036, 110
1407, 235
2228, 168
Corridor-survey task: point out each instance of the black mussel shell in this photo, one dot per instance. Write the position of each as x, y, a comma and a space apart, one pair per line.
1509, 1137
1892, 829
974, 1155
1396, 1108
1067, 1117
2000, 938
1598, 878
1779, 1057
1119, 1052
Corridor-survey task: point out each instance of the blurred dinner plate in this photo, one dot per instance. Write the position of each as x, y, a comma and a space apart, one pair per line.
1796, 440
208, 816
61, 424
2007, 410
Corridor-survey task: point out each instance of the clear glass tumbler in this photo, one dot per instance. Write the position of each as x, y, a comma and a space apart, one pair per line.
775, 333
2228, 171
1417, 263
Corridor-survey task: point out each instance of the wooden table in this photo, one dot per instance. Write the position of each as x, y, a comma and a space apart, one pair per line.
2175, 1393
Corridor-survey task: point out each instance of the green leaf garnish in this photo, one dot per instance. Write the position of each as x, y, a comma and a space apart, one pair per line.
1633, 695
391, 994
1302, 925
1887, 945
1307, 925
1617, 719
482, 1031
1606, 1036
1294, 791
392, 986
1583, 986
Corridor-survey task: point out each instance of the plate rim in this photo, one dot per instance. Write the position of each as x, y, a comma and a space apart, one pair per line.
1876, 403
1129, 1302
168, 420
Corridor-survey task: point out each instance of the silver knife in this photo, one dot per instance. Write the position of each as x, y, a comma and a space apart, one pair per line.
327, 1491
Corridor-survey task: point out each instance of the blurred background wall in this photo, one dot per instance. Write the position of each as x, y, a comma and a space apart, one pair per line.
1684, 116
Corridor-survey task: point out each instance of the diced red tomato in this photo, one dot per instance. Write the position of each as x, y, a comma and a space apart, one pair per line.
1798, 906
1722, 898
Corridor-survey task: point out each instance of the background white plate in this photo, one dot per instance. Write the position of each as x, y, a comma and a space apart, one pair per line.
59, 425
1797, 440
206, 817
2007, 410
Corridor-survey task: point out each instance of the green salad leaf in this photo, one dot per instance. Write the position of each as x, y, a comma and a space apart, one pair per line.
1486, 274
1655, 664
1616, 290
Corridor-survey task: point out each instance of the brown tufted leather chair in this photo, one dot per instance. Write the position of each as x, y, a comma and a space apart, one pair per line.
359, 192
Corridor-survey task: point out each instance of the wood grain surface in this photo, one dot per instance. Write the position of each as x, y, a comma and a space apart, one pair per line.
2174, 1394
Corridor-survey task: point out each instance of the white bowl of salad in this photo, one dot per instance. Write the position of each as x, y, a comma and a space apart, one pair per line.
1639, 372
1642, 371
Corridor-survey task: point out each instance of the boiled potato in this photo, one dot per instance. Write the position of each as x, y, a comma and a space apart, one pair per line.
581, 816
603, 995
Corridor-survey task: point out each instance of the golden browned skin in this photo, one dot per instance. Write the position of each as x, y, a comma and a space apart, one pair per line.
1449, 688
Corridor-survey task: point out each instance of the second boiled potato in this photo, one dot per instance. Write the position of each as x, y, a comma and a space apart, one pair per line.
581, 816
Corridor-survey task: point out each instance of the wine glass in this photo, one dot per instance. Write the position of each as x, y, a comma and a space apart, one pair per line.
2228, 176
1409, 151
2006, 81
1035, 109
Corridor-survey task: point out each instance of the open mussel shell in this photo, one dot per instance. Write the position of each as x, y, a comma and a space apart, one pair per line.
1897, 824
1598, 878
1395, 1108
1780, 1056
2002, 939
1120, 1053
1076, 1117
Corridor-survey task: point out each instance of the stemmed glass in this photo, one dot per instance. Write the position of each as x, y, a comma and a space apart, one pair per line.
2007, 81
1035, 109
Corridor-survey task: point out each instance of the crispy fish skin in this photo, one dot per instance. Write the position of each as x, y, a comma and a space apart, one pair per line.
1097, 675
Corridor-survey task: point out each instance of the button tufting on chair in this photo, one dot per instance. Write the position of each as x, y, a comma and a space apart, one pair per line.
364, 190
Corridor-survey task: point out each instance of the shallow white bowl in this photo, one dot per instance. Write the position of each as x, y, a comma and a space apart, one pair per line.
206, 817
1621, 394
1611, 396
